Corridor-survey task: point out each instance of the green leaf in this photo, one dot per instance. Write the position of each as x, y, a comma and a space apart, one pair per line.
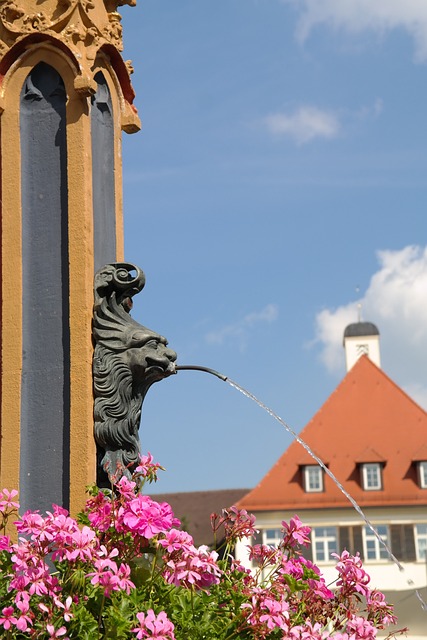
83, 625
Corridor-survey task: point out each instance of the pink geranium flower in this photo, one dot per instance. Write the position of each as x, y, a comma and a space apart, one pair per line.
7, 500
123, 578
5, 543
7, 619
295, 533
176, 540
238, 523
126, 487
361, 628
265, 611
192, 566
31, 523
147, 518
99, 511
56, 633
66, 613
83, 545
147, 468
152, 626
353, 577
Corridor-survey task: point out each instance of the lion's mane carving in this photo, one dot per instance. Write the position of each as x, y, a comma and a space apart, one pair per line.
128, 359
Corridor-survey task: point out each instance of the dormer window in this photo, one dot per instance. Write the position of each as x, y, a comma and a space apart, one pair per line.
372, 476
422, 474
313, 478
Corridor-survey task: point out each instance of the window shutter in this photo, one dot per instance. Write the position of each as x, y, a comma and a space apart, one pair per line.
256, 538
350, 538
409, 546
344, 539
396, 540
357, 541
402, 542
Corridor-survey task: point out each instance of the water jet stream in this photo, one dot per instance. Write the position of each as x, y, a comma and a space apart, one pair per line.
274, 415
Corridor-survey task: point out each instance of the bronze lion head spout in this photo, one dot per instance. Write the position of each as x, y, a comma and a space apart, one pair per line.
128, 359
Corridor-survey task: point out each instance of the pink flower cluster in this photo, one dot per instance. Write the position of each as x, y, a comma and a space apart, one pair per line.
380, 611
17, 617
147, 469
187, 565
285, 582
7, 501
267, 613
295, 533
273, 601
152, 626
57, 537
129, 523
150, 522
145, 517
138, 515
353, 578
237, 523
110, 576
285, 596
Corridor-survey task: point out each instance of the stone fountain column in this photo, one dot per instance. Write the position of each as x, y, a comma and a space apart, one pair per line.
65, 97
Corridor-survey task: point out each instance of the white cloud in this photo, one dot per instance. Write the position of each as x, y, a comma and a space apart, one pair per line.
396, 302
304, 124
239, 331
356, 16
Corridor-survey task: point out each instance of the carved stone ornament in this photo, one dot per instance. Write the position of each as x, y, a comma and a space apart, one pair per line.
84, 26
128, 359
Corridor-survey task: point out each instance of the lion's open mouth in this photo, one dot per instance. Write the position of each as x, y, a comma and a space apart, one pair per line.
158, 371
155, 368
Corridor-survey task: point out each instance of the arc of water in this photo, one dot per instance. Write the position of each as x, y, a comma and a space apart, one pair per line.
321, 464
274, 415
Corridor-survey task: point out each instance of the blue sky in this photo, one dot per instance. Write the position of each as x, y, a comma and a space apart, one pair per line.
279, 180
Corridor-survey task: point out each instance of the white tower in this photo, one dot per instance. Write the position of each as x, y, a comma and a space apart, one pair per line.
361, 338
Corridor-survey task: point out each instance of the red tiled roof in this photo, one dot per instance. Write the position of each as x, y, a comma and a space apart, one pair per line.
368, 418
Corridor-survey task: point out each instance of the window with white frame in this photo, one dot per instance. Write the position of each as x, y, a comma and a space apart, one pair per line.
420, 535
372, 476
313, 478
272, 537
374, 550
422, 474
324, 542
